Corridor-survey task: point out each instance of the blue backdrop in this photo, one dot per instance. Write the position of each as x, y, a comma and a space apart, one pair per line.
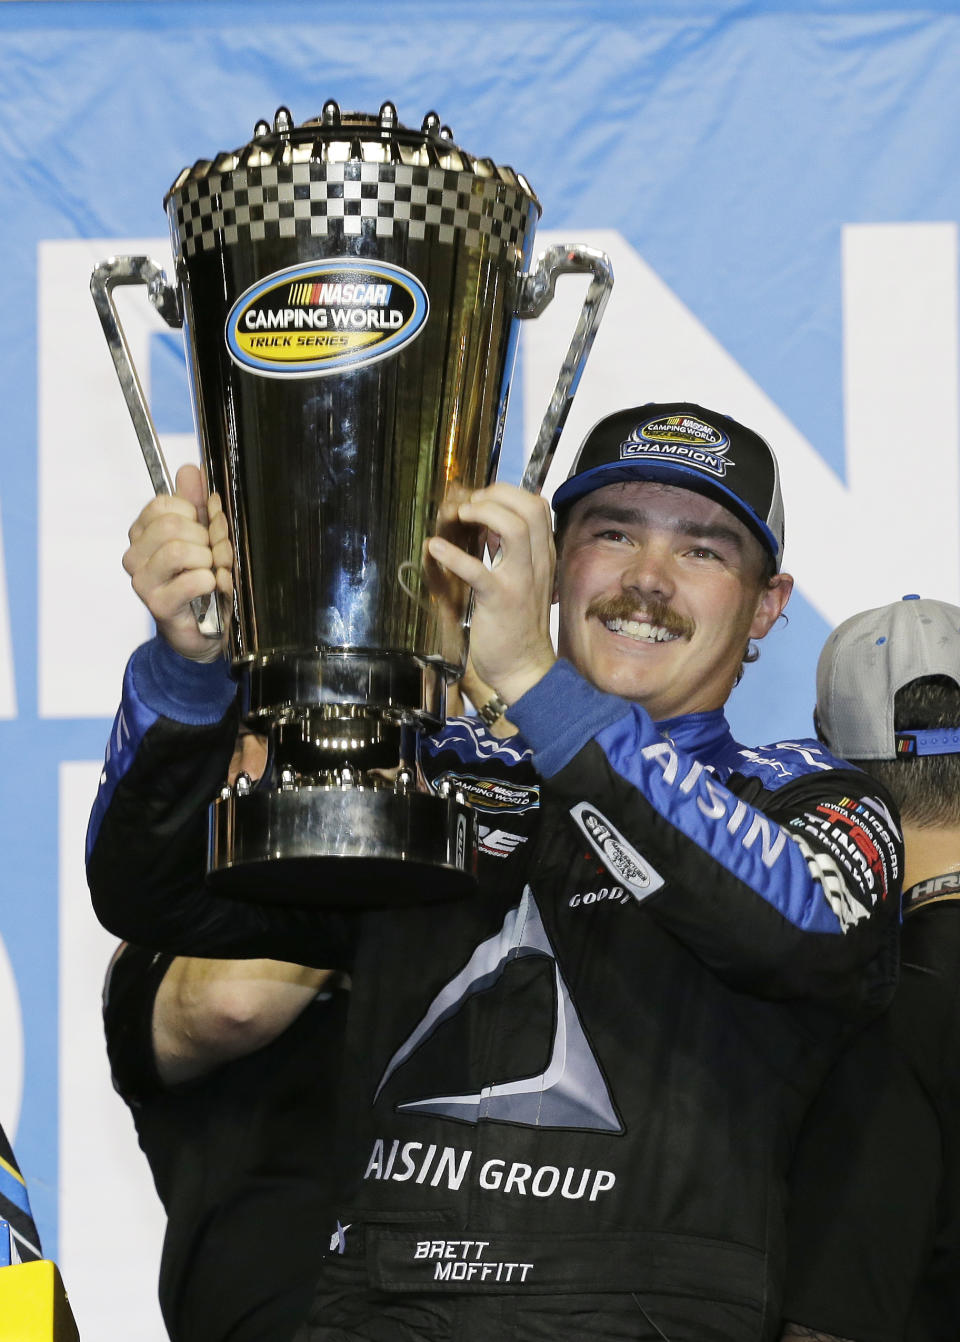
779, 185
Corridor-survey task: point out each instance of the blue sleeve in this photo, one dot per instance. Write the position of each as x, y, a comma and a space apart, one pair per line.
158, 683
742, 877
168, 755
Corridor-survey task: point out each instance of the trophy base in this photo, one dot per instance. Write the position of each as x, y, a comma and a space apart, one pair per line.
409, 687
350, 848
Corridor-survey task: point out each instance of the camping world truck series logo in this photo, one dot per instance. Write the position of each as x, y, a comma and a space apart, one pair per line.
685, 439
324, 316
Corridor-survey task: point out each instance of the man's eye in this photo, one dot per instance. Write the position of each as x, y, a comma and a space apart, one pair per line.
611, 534
701, 552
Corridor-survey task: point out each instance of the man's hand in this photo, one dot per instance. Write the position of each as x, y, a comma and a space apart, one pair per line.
510, 643
179, 549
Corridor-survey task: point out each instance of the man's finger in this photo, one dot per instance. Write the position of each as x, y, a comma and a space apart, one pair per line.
161, 506
190, 486
166, 600
456, 561
174, 557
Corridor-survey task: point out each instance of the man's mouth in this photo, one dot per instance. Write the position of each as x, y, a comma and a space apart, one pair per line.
655, 622
641, 630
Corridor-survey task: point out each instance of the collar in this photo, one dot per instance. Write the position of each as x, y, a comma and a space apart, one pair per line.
705, 733
936, 890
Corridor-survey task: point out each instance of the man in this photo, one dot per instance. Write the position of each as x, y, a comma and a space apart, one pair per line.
230, 1070
875, 1216
570, 1100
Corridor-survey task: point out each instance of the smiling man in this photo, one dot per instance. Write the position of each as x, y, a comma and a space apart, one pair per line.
571, 1100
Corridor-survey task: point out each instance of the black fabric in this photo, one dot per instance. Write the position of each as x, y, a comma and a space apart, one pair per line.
708, 1082
154, 841
875, 1210
360, 1313
242, 1160
556, 1055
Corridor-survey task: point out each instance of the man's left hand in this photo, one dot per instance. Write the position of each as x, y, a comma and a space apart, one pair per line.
510, 643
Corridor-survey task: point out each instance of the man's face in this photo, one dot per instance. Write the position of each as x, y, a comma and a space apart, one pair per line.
660, 590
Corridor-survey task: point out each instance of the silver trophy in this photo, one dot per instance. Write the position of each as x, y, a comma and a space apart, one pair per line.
350, 292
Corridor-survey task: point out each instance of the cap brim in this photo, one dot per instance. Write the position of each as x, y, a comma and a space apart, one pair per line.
661, 472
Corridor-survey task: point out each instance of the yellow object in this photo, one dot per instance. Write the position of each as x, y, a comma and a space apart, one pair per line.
34, 1305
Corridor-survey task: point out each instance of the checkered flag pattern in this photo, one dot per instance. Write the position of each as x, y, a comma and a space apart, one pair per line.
317, 199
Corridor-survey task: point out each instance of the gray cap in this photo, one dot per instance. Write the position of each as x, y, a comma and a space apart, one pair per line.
871, 656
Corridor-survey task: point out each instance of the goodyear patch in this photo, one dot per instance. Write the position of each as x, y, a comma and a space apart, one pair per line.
490, 794
686, 439
323, 316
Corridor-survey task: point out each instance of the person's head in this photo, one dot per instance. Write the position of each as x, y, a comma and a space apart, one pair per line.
669, 542
888, 700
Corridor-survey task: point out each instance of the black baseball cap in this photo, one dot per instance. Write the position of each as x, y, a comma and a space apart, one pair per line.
679, 443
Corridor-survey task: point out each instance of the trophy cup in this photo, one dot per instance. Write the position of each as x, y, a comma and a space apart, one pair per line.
350, 292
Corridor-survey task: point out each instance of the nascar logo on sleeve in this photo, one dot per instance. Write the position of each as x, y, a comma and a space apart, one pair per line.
492, 794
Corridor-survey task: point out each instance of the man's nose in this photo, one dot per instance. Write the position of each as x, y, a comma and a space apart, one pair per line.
649, 572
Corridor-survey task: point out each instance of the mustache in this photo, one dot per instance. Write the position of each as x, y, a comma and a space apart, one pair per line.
624, 607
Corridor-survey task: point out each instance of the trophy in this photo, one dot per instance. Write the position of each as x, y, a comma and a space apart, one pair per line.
350, 292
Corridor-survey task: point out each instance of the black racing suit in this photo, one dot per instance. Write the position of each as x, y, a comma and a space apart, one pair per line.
569, 1102
875, 1212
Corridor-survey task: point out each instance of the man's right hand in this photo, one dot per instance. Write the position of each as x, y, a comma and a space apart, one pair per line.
179, 549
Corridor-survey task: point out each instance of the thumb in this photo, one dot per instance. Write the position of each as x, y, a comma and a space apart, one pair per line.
190, 485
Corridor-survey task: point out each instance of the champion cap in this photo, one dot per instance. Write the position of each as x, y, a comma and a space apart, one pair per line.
871, 656
686, 445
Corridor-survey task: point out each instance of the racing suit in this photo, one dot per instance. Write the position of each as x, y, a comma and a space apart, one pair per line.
569, 1102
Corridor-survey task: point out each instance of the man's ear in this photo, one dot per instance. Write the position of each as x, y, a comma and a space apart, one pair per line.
771, 603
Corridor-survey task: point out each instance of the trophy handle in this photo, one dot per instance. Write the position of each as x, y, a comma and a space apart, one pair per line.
107, 275
536, 293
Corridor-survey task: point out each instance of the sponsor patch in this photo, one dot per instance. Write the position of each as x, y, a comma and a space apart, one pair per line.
946, 887
616, 854
490, 794
322, 316
686, 439
447, 1167
570, 1092
845, 902
858, 838
498, 842
584, 898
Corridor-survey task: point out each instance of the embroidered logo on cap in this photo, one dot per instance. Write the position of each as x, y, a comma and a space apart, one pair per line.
685, 439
